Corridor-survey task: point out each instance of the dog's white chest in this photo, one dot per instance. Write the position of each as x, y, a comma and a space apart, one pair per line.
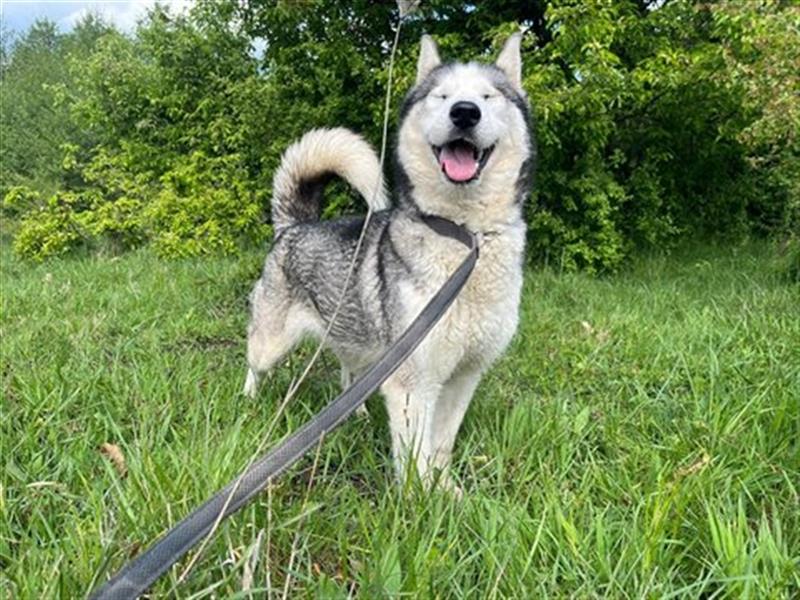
484, 316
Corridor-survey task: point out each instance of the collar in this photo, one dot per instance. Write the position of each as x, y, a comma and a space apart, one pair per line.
448, 228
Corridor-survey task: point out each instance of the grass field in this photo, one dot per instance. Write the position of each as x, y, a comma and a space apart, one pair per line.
641, 438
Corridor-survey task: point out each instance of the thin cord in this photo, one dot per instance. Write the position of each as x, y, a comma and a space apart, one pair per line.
296, 385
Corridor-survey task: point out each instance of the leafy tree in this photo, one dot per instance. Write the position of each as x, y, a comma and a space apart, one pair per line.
35, 121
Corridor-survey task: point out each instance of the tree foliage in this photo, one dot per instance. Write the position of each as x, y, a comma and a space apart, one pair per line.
655, 119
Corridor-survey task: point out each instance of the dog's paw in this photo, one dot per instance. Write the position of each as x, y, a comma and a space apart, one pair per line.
448, 485
250, 385
362, 412
443, 482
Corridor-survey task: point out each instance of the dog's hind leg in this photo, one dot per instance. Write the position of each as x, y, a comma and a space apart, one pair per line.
346, 379
277, 324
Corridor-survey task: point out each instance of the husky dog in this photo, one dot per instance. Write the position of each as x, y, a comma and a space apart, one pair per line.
464, 153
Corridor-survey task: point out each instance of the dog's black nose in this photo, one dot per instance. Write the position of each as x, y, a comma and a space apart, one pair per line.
465, 114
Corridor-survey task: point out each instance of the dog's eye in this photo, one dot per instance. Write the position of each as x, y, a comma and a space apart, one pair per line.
487, 96
441, 96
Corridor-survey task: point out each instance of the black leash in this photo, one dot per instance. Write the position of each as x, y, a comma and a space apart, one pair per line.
134, 579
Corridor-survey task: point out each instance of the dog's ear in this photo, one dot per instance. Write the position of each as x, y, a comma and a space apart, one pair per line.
428, 58
510, 61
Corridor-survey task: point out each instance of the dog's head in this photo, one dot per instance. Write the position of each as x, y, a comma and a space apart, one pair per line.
464, 144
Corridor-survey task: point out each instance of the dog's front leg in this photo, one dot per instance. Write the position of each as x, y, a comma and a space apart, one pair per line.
448, 415
411, 411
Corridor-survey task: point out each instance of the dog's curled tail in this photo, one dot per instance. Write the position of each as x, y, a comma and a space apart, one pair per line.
312, 161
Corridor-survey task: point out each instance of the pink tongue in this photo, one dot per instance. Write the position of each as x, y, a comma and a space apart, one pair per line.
458, 162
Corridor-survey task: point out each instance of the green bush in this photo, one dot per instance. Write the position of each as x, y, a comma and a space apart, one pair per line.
51, 229
205, 205
19, 200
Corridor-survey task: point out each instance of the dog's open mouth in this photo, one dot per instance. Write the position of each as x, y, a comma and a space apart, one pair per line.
461, 161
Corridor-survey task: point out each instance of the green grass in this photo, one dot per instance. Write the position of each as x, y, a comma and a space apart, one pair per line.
641, 438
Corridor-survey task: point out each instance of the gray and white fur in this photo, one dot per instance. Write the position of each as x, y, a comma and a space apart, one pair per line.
464, 152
